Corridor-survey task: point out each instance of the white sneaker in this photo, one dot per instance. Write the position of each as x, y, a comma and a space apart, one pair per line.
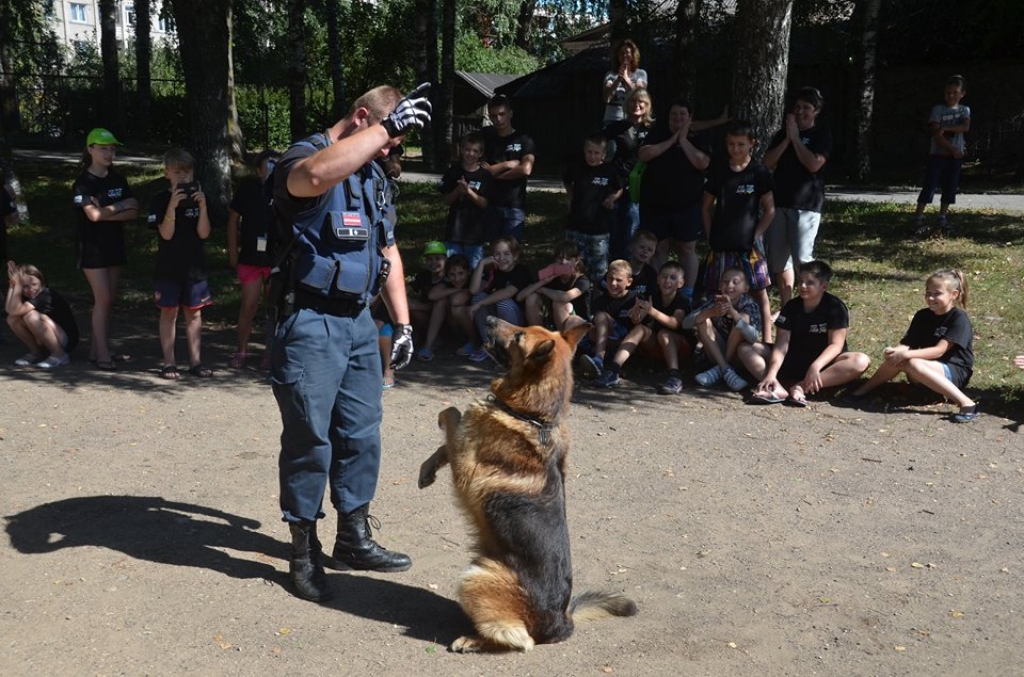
28, 360
52, 362
734, 380
709, 377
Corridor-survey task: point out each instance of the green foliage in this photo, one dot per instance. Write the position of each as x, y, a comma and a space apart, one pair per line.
263, 116
472, 56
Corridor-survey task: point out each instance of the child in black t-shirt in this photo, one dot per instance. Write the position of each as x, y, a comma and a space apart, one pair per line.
810, 353
453, 296
180, 216
736, 191
39, 317
642, 247
563, 296
612, 319
249, 253
425, 312
938, 349
466, 186
656, 328
496, 281
593, 187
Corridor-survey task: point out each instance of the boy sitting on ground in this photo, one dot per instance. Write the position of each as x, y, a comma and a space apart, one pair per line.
611, 317
656, 325
641, 251
724, 322
810, 352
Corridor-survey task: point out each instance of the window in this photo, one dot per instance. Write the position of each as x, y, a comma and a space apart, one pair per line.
165, 25
129, 13
78, 13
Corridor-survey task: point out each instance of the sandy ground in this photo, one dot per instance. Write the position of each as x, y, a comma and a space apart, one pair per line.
143, 535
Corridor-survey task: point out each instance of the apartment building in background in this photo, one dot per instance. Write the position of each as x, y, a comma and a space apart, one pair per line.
77, 23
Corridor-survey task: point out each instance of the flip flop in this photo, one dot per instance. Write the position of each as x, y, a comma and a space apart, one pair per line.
169, 372
795, 402
108, 365
765, 397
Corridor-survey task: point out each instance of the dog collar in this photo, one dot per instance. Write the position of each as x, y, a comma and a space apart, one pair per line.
543, 430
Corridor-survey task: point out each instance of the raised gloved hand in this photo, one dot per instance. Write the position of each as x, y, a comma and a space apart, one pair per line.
412, 111
401, 346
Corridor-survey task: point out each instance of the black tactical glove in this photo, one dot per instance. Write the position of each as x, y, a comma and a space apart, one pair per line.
412, 111
401, 346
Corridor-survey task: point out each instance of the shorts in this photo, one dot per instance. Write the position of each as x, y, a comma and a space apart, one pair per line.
794, 367
191, 294
754, 265
683, 225
791, 236
248, 274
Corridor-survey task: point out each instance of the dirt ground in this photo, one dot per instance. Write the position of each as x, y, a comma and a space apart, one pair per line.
143, 535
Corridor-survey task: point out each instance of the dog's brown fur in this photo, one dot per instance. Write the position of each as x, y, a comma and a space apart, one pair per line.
508, 460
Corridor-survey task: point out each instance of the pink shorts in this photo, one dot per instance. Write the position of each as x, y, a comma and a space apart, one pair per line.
248, 274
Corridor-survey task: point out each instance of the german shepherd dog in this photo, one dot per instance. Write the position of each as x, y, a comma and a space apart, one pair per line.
508, 457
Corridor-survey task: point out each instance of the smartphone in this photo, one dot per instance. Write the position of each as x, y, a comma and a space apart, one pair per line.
189, 188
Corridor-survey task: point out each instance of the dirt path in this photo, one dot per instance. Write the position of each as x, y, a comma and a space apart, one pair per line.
143, 535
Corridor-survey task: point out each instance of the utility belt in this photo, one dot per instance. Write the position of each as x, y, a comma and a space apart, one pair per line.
338, 306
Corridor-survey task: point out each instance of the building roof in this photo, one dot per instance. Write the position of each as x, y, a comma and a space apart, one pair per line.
485, 83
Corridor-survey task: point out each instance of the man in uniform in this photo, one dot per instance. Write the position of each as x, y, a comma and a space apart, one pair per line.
326, 369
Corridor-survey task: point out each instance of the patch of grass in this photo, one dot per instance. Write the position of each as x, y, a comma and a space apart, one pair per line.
880, 268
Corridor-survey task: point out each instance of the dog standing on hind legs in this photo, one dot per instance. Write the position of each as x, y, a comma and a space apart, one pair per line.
508, 457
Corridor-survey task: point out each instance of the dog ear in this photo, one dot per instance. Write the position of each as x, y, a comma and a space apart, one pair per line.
576, 334
543, 351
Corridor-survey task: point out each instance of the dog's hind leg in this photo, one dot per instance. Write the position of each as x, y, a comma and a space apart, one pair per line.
494, 600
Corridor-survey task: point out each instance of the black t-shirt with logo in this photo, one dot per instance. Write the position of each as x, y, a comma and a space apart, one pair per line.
255, 210
591, 186
927, 329
515, 146
465, 224
738, 203
180, 259
795, 186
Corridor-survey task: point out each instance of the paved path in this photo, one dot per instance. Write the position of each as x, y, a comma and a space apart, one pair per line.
1000, 202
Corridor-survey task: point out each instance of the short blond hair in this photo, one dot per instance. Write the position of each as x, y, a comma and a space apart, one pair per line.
379, 101
620, 266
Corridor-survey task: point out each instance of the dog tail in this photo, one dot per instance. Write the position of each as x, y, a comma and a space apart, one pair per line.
590, 606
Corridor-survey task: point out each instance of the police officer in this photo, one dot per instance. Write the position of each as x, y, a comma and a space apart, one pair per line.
326, 369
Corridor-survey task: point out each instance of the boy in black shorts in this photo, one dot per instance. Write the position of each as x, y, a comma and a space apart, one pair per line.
810, 351
180, 216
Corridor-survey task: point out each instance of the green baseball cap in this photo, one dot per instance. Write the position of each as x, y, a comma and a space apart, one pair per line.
101, 137
435, 247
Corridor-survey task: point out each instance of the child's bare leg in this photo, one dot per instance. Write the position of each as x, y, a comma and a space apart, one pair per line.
846, 368
24, 334
193, 334
560, 314
103, 282
784, 280
637, 335
534, 310
754, 357
460, 319
930, 374
709, 338
732, 347
886, 372
661, 252
46, 332
599, 334
168, 333
761, 296
438, 314
384, 345
247, 311
669, 342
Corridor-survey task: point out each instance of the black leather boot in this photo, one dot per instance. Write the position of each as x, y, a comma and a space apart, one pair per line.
356, 549
307, 573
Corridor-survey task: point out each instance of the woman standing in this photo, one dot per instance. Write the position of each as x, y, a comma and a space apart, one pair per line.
626, 136
103, 201
625, 76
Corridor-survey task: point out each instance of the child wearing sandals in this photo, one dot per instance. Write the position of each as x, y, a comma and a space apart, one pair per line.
451, 306
180, 216
810, 353
39, 317
725, 322
562, 292
937, 350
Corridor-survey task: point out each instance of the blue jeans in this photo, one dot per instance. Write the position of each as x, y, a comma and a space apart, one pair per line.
508, 222
943, 172
593, 252
627, 222
326, 376
473, 252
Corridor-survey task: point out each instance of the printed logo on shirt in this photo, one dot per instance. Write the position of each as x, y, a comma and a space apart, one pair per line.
806, 140
745, 189
151, 218
821, 328
599, 181
114, 193
475, 185
79, 199
192, 212
940, 332
513, 148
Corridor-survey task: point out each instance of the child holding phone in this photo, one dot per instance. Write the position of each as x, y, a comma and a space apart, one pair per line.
562, 292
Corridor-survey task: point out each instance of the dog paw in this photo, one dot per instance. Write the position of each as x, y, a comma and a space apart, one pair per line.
428, 473
467, 644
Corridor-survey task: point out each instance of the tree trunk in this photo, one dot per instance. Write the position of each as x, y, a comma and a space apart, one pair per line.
331, 12
684, 67
446, 103
866, 19
761, 65
425, 64
618, 17
525, 25
297, 67
203, 35
10, 115
112, 113
236, 146
143, 59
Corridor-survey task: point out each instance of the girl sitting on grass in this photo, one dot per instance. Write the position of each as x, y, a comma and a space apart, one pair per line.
39, 317
937, 350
